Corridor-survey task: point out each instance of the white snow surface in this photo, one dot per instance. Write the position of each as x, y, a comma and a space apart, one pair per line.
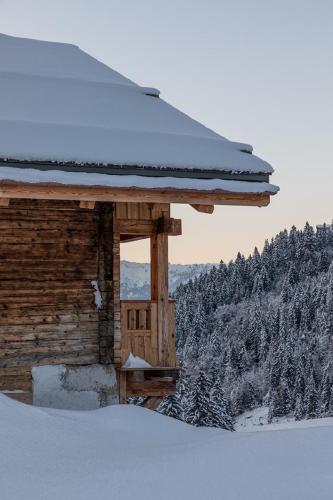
35, 176
60, 104
126, 452
256, 420
135, 362
97, 294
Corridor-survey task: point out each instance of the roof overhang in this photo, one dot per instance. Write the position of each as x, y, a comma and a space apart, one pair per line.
144, 171
96, 183
13, 189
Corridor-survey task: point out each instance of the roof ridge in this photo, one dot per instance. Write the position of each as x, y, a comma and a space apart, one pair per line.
37, 40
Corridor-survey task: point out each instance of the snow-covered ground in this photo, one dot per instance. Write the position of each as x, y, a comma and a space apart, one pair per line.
256, 420
127, 452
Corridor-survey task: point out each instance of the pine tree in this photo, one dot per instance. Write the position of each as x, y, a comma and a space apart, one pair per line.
203, 397
300, 411
198, 400
326, 392
217, 414
171, 406
215, 343
311, 400
279, 405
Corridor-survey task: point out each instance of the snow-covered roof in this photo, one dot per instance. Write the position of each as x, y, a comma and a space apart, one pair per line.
59, 104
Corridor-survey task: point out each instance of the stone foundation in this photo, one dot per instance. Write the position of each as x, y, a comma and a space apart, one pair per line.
71, 387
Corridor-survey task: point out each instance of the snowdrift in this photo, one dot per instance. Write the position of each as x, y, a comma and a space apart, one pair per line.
126, 452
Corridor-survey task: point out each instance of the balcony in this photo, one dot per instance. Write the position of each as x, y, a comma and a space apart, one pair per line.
142, 336
146, 328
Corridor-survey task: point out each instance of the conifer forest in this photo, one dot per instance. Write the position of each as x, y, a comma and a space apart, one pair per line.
258, 332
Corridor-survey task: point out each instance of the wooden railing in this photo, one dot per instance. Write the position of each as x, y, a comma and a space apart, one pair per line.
139, 331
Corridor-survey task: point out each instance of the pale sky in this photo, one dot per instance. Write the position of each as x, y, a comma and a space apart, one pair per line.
255, 71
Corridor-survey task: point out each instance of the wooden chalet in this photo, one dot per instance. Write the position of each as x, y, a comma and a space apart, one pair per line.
89, 161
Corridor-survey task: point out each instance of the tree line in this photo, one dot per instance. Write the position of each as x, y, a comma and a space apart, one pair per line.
258, 331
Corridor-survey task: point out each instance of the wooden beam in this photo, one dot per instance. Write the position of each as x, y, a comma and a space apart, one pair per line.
169, 226
151, 403
205, 209
159, 278
155, 388
87, 204
128, 238
60, 192
4, 202
136, 227
145, 227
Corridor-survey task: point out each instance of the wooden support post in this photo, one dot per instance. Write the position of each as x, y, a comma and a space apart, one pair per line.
122, 381
160, 283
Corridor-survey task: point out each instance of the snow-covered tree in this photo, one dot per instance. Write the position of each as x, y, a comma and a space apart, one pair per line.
261, 325
217, 413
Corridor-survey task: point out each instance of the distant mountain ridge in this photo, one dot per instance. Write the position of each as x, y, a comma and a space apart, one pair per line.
135, 277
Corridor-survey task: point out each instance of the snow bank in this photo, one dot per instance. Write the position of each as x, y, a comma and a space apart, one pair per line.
126, 452
135, 362
60, 104
256, 420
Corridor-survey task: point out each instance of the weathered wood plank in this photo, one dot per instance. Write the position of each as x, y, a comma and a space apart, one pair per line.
105, 282
48, 258
159, 283
151, 403
150, 388
135, 195
90, 205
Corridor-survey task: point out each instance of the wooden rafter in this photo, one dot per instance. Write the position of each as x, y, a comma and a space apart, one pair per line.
205, 209
145, 227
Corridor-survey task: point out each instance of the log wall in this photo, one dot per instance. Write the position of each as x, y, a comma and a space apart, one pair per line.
50, 252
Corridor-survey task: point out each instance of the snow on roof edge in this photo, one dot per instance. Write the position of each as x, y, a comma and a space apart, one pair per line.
35, 141
34, 176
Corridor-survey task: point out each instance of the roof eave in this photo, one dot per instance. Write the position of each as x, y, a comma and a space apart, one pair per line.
145, 171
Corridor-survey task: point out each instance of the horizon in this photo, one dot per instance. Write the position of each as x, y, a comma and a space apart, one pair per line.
254, 73
246, 256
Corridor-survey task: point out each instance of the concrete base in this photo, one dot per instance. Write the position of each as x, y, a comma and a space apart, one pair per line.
73, 387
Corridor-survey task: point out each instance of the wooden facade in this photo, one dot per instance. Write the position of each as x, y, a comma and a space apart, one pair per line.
53, 256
